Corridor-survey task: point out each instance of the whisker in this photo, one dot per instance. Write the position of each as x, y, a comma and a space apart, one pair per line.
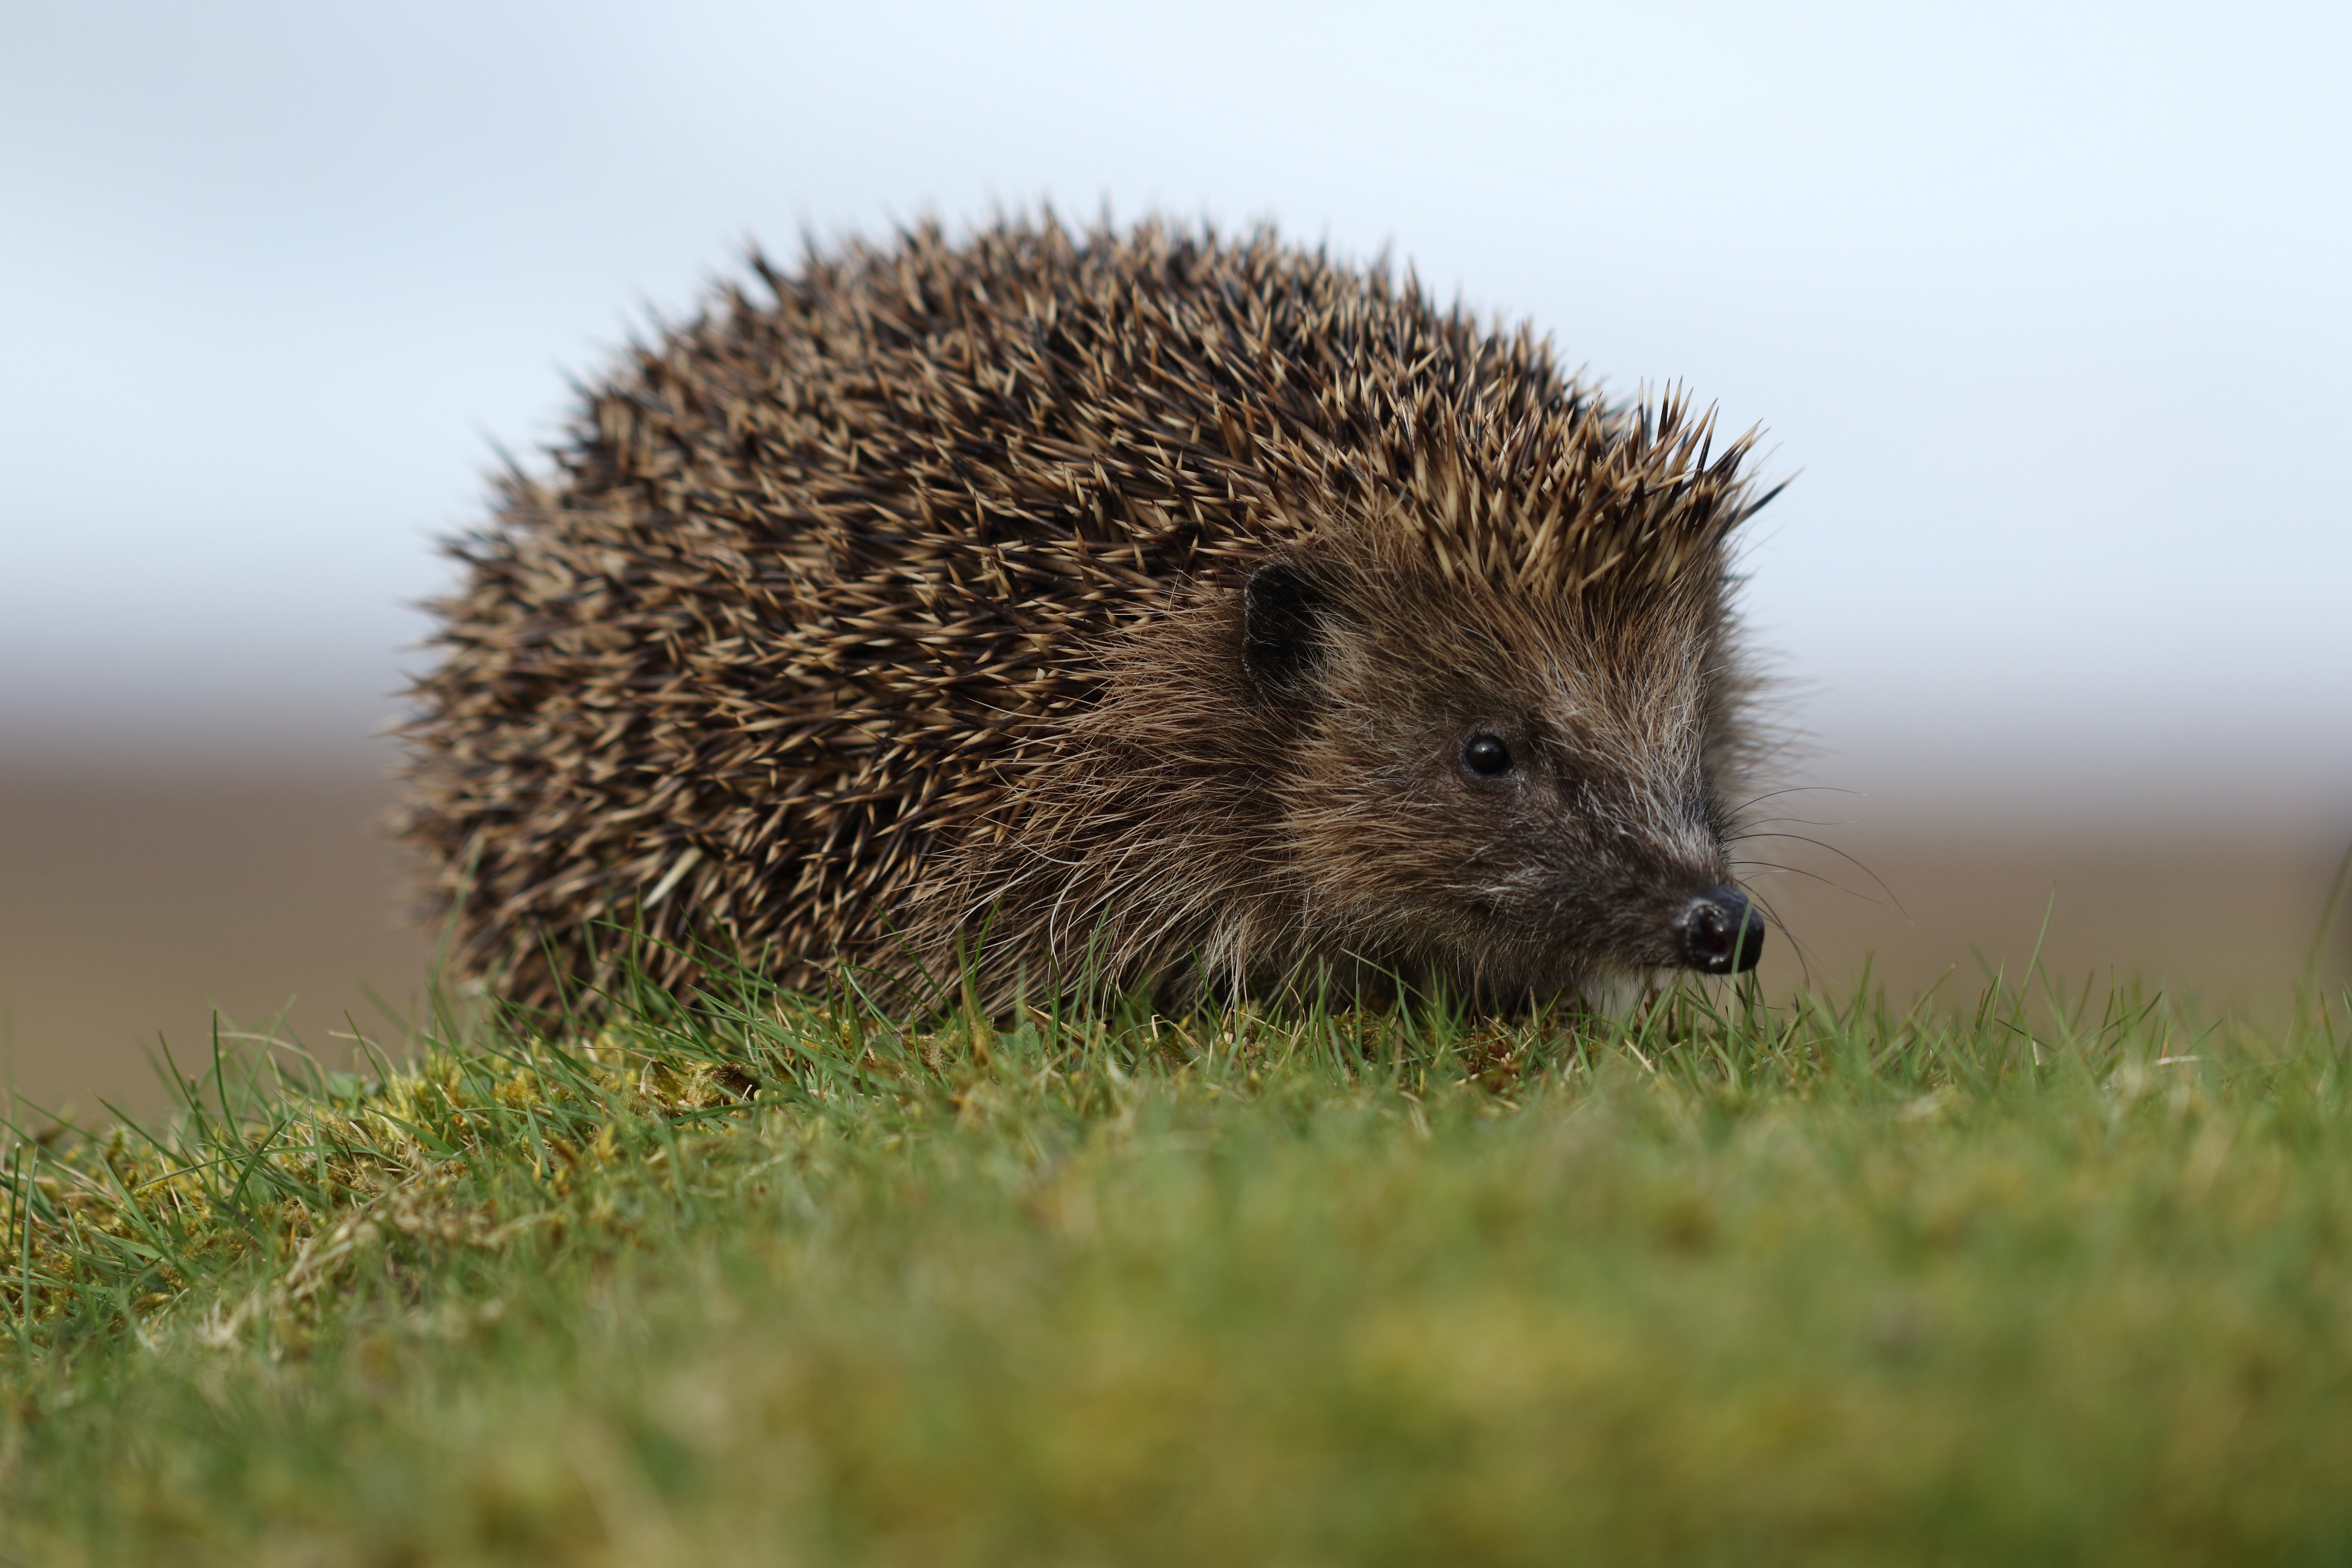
1773, 921
1801, 839
1795, 789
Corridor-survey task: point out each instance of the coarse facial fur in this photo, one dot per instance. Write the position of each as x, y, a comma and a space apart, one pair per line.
1313, 823
1106, 610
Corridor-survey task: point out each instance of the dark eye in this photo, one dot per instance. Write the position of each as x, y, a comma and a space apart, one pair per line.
1485, 756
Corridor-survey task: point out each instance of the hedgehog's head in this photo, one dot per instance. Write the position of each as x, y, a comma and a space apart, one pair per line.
1505, 785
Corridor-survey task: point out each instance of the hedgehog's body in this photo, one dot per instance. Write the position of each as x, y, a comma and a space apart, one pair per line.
1139, 609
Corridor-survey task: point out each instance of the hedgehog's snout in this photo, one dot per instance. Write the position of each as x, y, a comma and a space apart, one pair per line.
1721, 933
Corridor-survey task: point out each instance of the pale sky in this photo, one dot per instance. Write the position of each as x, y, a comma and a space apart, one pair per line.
2046, 307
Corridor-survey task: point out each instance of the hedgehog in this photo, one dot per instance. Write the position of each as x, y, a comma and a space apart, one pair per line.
1146, 612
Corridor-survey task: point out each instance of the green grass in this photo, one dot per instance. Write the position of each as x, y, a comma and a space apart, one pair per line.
2060, 1282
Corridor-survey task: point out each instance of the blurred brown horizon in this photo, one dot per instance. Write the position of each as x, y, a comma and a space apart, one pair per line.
136, 898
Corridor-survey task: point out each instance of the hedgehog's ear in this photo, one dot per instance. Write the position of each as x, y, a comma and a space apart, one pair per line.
1283, 613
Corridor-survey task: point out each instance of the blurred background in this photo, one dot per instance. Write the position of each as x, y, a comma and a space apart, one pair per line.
2042, 308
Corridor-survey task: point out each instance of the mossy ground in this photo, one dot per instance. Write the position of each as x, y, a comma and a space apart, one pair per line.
2055, 1280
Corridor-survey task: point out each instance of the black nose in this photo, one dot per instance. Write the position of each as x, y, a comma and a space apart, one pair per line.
1721, 933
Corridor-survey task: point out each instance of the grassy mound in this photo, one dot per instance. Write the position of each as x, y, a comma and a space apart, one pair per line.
775, 1282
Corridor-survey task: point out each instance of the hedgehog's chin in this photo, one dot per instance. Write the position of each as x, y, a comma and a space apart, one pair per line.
1617, 991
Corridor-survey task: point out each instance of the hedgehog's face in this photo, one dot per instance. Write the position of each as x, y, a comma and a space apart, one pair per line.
1510, 796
